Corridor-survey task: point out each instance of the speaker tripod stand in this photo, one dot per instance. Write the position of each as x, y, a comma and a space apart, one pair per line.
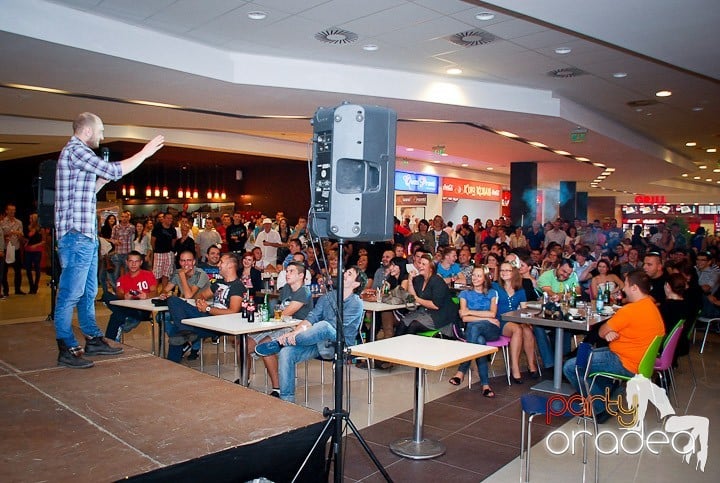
336, 417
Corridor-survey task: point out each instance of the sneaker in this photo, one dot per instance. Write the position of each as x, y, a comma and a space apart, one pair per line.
97, 346
186, 348
268, 348
215, 339
194, 354
275, 393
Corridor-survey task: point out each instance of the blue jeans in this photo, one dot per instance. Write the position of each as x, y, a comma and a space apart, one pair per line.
119, 260
479, 333
308, 345
77, 286
603, 360
120, 316
179, 310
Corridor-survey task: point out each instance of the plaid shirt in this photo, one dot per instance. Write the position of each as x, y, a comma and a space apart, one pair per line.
124, 235
75, 198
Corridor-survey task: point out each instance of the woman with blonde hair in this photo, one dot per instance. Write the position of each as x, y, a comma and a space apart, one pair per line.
510, 294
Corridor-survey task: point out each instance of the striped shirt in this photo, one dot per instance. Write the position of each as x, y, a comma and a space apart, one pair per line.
75, 198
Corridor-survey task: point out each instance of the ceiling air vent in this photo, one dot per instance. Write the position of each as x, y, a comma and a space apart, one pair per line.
566, 73
336, 36
642, 103
471, 38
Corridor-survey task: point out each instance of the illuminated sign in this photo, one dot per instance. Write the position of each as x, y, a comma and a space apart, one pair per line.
650, 200
471, 189
420, 183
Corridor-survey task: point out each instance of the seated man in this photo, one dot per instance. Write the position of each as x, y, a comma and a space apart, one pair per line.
211, 265
629, 333
189, 280
226, 293
555, 283
135, 284
297, 257
315, 335
296, 302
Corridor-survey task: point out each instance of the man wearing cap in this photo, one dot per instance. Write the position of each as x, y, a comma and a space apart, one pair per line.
268, 240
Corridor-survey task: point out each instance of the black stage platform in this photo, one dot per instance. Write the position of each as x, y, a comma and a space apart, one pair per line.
139, 417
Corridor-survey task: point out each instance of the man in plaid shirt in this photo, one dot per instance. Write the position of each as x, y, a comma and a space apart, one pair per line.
80, 175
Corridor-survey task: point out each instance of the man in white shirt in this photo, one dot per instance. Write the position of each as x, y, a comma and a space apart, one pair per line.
268, 240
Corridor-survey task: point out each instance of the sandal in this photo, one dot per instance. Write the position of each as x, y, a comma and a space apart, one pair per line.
489, 393
455, 381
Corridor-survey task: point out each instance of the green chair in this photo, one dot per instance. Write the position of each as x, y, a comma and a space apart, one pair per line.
645, 368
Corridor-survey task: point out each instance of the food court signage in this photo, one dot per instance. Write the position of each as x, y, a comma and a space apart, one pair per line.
410, 200
470, 189
420, 183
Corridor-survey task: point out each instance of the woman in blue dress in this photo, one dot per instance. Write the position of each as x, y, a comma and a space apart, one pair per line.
510, 294
478, 308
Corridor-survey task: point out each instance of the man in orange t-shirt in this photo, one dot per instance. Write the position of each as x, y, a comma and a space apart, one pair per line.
629, 333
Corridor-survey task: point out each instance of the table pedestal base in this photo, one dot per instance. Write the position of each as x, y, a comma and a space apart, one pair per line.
548, 386
422, 450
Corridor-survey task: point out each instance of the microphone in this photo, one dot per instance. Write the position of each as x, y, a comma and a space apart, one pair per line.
105, 153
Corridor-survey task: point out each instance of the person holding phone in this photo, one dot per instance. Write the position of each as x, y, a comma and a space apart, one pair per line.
135, 284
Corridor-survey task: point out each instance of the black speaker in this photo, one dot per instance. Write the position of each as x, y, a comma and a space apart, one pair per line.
353, 170
46, 193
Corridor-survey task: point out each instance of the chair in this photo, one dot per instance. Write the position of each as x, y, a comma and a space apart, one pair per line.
708, 321
534, 404
663, 364
502, 343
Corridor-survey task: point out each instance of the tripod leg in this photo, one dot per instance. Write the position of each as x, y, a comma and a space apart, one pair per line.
321, 438
367, 449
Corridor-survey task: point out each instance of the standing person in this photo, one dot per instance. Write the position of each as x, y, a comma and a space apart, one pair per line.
236, 234
105, 252
141, 244
13, 230
206, 238
162, 241
283, 230
80, 175
3, 294
268, 240
478, 310
122, 238
33, 252
184, 242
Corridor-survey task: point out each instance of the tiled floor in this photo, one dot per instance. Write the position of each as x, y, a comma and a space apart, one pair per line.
482, 435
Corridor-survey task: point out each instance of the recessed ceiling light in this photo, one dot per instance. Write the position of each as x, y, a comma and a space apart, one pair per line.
489, 168
370, 47
690, 144
464, 165
443, 154
454, 71
2, 150
610, 170
257, 15
485, 16
708, 179
507, 134
580, 158
619, 75
537, 144
684, 175
663, 93
716, 170
599, 165
436, 161
697, 109
409, 149
718, 181
711, 150
702, 166
562, 153
696, 177
563, 50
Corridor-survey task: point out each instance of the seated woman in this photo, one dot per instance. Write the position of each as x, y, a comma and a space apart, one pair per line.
492, 262
448, 268
478, 308
251, 277
436, 310
510, 294
676, 307
604, 276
